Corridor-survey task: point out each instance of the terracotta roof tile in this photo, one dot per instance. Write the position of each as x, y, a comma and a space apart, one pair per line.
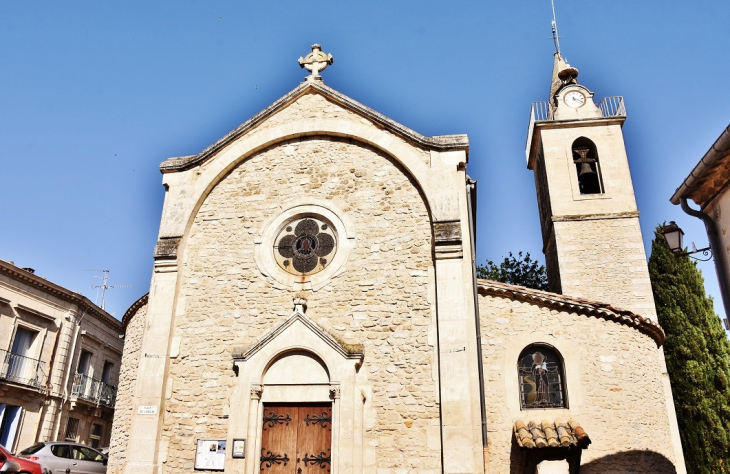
578, 305
550, 434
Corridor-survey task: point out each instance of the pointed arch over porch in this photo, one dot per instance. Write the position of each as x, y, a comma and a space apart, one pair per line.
314, 368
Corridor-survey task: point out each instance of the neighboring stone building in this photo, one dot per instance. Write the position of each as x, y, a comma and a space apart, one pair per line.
60, 358
707, 185
314, 306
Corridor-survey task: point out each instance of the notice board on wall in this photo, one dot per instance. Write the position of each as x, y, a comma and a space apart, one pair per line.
210, 454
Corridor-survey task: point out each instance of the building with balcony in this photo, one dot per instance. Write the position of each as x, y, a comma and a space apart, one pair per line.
59, 363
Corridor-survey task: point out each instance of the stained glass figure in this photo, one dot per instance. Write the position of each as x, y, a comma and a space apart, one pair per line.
305, 246
541, 378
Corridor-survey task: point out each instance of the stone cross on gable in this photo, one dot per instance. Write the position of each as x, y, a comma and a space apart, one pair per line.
315, 62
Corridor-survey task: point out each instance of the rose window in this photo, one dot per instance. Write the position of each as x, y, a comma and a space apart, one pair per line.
305, 246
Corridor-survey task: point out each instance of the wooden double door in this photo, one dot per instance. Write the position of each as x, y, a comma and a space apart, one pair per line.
296, 438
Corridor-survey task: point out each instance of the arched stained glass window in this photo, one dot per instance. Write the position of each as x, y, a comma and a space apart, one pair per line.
541, 378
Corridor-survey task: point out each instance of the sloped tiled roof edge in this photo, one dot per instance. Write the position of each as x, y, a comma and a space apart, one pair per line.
441, 143
60, 292
709, 175
576, 305
129, 314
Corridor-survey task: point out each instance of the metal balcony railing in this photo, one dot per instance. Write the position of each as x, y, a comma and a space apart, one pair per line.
93, 390
610, 107
543, 112
21, 369
613, 107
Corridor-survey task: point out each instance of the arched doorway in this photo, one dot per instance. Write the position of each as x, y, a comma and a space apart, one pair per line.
296, 436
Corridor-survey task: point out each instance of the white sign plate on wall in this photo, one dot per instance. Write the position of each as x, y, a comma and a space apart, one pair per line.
147, 410
210, 454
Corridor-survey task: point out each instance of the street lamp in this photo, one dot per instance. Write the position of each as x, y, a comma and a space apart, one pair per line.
673, 234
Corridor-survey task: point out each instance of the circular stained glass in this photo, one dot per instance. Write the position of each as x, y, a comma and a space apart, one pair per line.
305, 246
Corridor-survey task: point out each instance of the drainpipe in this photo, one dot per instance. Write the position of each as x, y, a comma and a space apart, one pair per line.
717, 252
44, 409
69, 359
471, 202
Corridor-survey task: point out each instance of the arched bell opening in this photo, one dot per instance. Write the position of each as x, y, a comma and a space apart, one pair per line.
585, 158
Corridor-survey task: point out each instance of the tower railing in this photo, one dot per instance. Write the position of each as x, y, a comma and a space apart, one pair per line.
613, 106
609, 106
543, 112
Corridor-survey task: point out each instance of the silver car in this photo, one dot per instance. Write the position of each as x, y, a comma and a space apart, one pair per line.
66, 458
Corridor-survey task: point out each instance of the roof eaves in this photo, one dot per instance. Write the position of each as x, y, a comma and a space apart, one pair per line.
578, 305
129, 314
712, 158
60, 292
441, 143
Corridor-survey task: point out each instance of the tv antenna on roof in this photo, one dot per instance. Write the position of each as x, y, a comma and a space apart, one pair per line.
104, 285
556, 38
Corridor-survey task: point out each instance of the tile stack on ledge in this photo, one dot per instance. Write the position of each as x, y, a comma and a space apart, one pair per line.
548, 434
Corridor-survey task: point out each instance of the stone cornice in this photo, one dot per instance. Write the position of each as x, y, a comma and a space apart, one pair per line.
129, 314
82, 302
439, 143
575, 305
591, 217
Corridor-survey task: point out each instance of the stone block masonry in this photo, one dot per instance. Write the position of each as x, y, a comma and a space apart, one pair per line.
380, 301
613, 377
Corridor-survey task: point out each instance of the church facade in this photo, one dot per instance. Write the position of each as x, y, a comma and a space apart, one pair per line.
314, 306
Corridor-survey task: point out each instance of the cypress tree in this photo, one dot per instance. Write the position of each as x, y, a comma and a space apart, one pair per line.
698, 359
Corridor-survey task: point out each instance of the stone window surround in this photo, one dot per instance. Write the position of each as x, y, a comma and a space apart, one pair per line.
574, 182
299, 334
563, 380
36, 348
294, 209
571, 374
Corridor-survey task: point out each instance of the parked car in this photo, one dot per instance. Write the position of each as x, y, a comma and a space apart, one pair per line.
9, 467
66, 458
25, 466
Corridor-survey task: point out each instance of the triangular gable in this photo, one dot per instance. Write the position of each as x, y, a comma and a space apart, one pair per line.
346, 351
440, 143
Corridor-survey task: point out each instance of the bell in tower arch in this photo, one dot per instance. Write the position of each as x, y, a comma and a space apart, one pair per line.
588, 179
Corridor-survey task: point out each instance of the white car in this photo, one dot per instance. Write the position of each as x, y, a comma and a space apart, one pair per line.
66, 458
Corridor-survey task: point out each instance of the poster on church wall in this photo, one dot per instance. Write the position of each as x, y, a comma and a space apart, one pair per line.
210, 454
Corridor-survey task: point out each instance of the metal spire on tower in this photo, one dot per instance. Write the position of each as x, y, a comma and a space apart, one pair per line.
556, 38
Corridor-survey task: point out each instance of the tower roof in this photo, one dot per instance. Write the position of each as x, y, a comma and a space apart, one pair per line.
563, 74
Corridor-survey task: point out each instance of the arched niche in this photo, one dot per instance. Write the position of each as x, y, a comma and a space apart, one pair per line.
297, 367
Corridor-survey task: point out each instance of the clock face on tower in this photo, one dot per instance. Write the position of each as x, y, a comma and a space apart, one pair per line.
574, 99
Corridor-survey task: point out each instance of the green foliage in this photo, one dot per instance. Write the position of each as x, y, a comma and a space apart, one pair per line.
698, 359
518, 270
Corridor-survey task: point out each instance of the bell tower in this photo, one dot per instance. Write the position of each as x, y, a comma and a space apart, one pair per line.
589, 219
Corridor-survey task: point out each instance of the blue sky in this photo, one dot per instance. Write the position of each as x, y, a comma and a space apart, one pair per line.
94, 95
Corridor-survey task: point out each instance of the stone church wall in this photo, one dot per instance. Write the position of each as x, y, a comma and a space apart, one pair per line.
125, 391
614, 387
381, 300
